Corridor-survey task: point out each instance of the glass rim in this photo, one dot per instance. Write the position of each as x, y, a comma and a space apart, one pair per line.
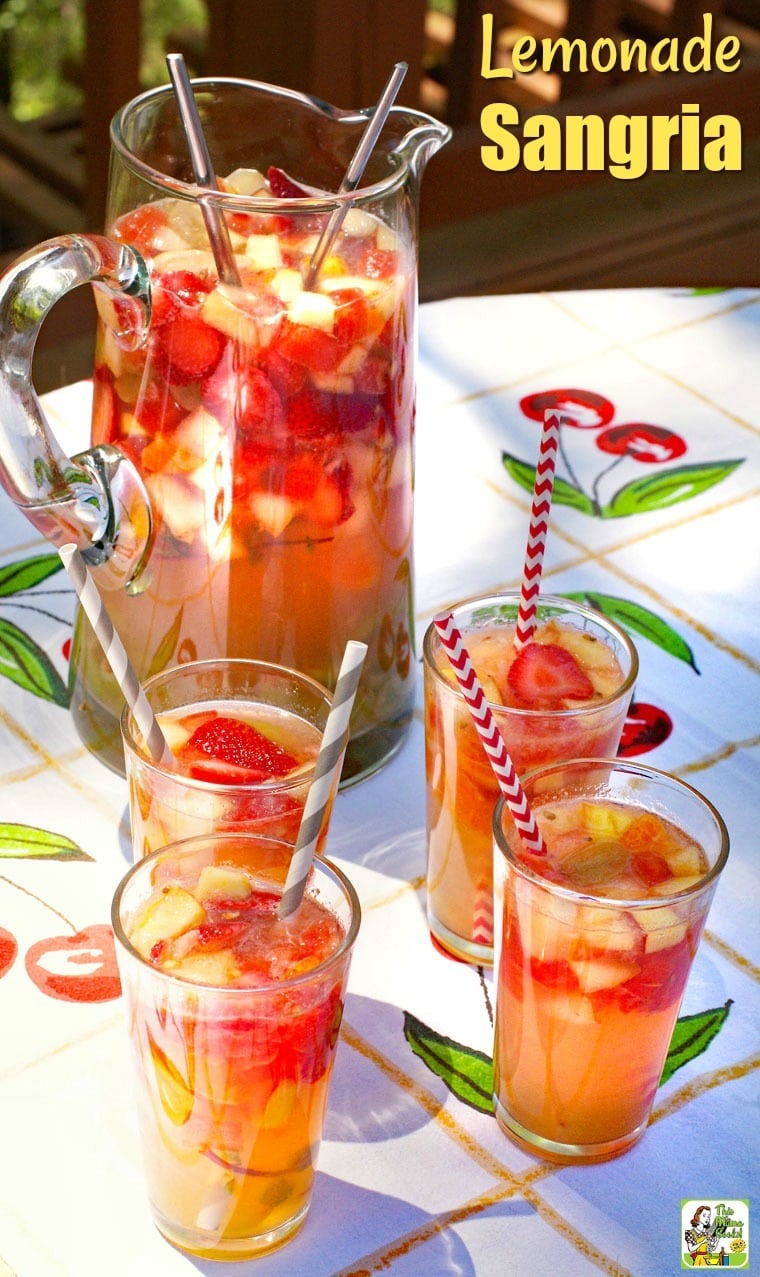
130, 744
227, 199
143, 866
615, 902
545, 600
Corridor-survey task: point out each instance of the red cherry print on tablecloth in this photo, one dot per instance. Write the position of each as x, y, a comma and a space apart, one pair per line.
648, 444
646, 727
8, 950
581, 409
78, 968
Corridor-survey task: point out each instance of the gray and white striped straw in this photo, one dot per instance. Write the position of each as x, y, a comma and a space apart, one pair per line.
117, 658
326, 770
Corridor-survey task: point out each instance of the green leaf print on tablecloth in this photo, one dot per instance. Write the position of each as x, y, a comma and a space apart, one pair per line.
21, 842
632, 616
22, 660
469, 1073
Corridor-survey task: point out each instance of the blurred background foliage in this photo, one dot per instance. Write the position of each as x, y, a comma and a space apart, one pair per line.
42, 42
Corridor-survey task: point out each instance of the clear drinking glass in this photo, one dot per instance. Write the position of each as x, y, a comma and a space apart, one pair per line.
200, 794
232, 1066
595, 943
461, 787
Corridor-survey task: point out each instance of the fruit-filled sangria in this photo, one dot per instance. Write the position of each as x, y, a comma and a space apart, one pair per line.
271, 421
564, 695
596, 938
243, 737
234, 1016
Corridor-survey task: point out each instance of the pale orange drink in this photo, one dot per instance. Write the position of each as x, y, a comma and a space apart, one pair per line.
596, 938
234, 1017
565, 695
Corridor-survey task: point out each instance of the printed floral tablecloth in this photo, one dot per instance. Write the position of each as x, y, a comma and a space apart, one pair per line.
656, 520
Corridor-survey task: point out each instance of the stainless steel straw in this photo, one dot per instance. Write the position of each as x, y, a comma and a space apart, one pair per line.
356, 168
203, 169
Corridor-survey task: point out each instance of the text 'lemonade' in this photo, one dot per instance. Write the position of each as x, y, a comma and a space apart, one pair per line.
234, 1016
565, 695
244, 737
596, 941
272, 425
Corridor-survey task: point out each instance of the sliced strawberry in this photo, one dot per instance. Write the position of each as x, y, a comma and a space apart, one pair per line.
352, 315
380, 263
312, 347
188, 349
243, 396
176, 289
302, 477
245, 751
649, 867
213, 936
282, 186
307, 418
545, 676
286, 377
156, 409
141, 227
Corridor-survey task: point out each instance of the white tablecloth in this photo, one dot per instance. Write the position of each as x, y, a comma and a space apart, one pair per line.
412, 1179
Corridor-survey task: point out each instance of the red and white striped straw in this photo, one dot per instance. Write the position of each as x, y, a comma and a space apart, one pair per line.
493, 741
539, 527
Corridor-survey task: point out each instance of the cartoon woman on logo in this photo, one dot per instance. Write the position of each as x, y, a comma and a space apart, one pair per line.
701, 1240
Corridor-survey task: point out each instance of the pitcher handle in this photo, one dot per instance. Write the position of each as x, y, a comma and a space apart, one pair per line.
95, 499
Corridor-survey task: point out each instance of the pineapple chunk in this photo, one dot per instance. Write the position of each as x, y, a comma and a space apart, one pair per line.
286, 283
605, 822
169, 915
198, 260
224, 882
217, 968
388, 241
263, 252
312, 310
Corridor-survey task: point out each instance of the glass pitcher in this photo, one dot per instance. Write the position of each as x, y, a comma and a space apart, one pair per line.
249, 488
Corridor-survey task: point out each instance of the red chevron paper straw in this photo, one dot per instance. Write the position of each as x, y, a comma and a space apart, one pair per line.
539, 527
493, 741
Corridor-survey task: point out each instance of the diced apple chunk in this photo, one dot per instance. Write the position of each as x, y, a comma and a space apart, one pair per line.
169, 915
273, 511
602, 973
675, 886
175, 732
662, 927
686, 862
312, 310
359, 223
224, 882
245, 181
220, 310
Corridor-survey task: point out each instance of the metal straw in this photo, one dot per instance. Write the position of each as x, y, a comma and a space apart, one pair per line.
122, 670
203, 169
356, 168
